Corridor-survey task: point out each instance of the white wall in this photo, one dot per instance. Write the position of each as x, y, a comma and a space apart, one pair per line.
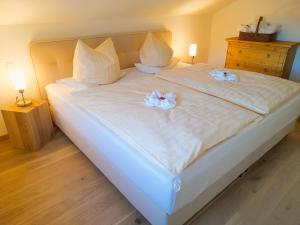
14, 40
226, 21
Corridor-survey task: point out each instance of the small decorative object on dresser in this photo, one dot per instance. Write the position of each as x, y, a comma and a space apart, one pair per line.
263, 32
272, 58
29, 127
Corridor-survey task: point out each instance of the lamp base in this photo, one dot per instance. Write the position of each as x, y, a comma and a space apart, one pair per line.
193, 57
24, 103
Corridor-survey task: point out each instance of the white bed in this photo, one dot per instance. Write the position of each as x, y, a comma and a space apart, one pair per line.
160, 196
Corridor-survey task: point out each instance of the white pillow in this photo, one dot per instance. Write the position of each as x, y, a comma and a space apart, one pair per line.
107, 48
99, 66
155, 52
155, 69
75, 84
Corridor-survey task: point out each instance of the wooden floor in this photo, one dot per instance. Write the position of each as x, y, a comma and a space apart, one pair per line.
59, 185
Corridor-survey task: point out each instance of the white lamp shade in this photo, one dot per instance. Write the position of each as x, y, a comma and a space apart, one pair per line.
18, 79
193, 49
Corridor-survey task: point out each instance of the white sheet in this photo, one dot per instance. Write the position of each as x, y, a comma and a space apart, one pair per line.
260, 93
168, 192
174, 137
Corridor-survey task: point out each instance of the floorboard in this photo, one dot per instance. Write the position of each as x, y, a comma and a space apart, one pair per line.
59, 185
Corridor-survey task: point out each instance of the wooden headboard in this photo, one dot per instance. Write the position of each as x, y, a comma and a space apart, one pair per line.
53, 60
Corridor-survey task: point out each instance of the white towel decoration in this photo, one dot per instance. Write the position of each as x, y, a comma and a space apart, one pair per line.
225, 75
158, 100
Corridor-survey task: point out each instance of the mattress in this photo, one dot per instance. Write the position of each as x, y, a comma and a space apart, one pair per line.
169, 192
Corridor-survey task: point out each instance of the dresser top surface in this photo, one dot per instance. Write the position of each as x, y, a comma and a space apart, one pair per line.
274, 43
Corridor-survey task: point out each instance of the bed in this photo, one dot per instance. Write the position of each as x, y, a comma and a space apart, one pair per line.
162, 197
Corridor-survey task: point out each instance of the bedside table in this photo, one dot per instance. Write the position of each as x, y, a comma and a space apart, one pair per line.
29, 127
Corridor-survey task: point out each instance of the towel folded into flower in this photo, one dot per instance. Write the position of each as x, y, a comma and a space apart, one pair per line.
158, 100
226, 75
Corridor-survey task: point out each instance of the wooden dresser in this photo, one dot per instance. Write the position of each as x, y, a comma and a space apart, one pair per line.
273, 58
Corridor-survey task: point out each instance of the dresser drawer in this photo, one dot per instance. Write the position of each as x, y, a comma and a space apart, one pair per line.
275, 70
260, 47
235, 64
256, 55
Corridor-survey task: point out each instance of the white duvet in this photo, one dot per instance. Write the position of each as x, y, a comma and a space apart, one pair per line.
257, 92
172, 138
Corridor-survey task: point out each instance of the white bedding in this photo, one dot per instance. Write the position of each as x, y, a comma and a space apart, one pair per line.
165, 190
260, 93
173, 138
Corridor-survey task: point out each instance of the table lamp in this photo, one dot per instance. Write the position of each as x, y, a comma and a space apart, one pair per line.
193, 51
18, 80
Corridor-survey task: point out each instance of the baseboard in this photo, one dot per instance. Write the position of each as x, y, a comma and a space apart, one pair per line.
4, 137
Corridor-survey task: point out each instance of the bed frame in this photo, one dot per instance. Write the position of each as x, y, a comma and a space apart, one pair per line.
53, 60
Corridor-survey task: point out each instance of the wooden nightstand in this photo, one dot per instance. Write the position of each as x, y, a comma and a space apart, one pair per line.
30, 127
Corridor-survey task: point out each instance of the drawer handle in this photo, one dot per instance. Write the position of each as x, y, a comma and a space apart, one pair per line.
240, 51
268, 55
237, 64
265, 70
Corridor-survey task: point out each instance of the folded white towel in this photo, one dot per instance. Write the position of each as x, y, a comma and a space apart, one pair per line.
225, 75
156, 99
